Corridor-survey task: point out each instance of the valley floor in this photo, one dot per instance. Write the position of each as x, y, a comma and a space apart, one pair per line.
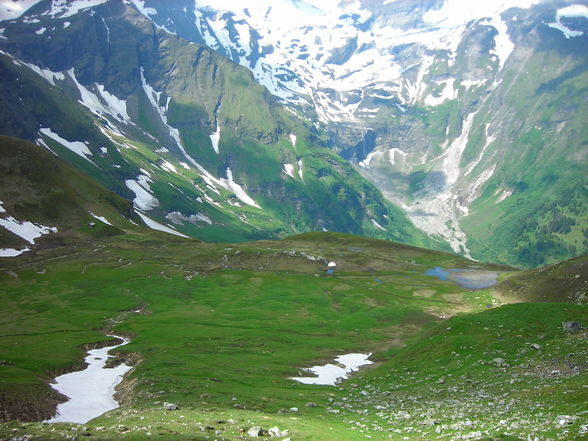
219, 330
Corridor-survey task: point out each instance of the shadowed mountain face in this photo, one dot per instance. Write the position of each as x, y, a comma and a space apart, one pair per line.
467, 118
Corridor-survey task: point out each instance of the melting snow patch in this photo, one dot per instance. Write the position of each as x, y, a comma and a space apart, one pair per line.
231, 185
186, 166
289, 170
472, 83
392, 154
144, 200
90, 391
10, 252
147, 12
13, 9
215, 138
448, 93
49, 75
2, 209
61, 8
157, 226
177, 218
293, 139
377, 225
300, 169
40, 31
489, 140
503, 46
330, 374
104, 104
79, 148
154, 98
26, 230
572, 11
169, 167
367, 161
41, 143
100, 218
504, 195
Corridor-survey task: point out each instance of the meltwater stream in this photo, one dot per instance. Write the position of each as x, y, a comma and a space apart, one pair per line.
90, 391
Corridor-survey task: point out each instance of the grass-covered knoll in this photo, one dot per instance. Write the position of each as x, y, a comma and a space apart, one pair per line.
510, 371
218, 329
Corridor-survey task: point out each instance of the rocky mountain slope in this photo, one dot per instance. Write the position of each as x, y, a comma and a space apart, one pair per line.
185, 133
467, 116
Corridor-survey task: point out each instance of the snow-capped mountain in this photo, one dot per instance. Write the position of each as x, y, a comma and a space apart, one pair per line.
461, 113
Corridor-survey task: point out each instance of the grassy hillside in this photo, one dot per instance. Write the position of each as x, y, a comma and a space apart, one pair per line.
219, 329
37, 186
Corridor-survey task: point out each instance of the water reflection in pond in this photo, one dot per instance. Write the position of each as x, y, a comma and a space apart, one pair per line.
466, 278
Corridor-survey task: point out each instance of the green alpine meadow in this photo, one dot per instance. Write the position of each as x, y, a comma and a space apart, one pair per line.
295, 220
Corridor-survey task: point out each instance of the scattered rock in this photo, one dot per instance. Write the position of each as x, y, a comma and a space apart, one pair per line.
311, 404
293, 409
570, 326
170, 406
500, 362
536, 346
564, 420
275, 432
255, 431
403, 415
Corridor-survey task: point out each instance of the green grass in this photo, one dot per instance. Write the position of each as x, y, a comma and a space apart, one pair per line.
219, 322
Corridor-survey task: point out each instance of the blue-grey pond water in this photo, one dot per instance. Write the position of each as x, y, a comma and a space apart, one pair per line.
466, 278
